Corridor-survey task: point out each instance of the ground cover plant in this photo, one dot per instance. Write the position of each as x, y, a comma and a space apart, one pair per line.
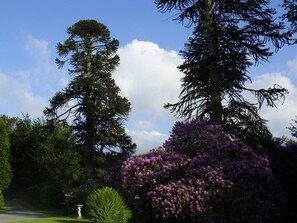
202, 175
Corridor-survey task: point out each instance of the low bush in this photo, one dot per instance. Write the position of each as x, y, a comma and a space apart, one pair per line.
105, 205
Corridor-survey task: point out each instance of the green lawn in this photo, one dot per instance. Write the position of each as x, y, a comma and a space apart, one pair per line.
53, 220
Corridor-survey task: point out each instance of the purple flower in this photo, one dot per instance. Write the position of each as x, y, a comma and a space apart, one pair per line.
202, 175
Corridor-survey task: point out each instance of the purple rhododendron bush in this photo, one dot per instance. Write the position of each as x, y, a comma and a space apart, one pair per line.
201, 175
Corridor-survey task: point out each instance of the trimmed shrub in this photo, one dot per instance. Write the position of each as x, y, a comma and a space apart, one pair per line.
105, 205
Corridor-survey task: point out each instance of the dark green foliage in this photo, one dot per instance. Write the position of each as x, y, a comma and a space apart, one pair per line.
290, 7
293, 128
44, 161
23, 150
2, 203
90, 105
59, 157
105, 205
48, 194
26, 141
228, 38
5, 168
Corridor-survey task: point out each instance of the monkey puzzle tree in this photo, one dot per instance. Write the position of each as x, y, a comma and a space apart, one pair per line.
290, 7
228, 38
91, 104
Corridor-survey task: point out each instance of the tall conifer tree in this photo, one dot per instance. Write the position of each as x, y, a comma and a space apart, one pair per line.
228, 38
91, 103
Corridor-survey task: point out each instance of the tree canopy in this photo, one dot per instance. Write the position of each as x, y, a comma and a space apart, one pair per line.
291, 14
91, 104
228, 38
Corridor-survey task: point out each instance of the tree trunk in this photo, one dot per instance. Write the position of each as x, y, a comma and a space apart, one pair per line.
89, 143
216, 108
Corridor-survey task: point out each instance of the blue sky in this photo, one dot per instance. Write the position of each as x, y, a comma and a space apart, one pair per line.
147, 75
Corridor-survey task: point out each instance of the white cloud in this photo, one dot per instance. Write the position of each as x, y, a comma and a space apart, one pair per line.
147, 140
292, 65
38, 50
28, 90
146, 134
148, 77
144, 125
43, 75
17, 99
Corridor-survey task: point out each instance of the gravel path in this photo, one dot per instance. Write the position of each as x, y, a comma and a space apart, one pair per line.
15, 212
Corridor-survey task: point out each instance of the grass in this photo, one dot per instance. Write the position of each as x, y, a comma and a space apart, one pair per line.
54, 220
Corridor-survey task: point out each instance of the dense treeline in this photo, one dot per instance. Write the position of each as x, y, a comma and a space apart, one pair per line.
44, 163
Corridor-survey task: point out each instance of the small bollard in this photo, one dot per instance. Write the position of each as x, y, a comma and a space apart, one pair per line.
79, 210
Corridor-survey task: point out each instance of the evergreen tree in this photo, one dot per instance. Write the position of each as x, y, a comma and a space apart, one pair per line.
228, 38
290, 7
293, 128
57, 154
5, 168
44, 164
91, 104
26, 137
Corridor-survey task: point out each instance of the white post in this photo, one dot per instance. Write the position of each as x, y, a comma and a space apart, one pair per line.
79, 210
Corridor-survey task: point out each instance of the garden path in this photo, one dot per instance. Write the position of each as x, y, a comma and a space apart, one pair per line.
15, 212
